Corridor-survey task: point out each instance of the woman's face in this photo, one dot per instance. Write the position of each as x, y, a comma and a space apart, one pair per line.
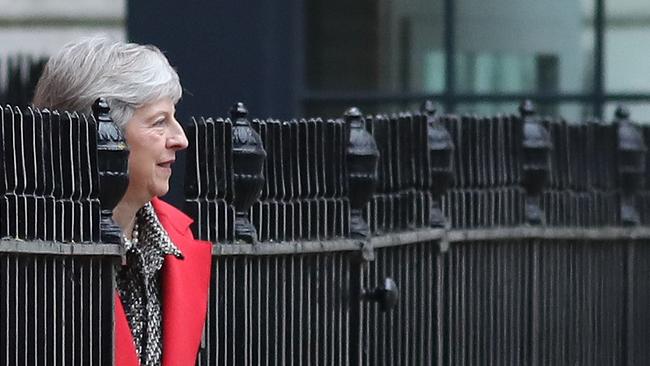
153, 135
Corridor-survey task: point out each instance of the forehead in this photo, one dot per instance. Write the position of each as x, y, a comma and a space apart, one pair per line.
163, 106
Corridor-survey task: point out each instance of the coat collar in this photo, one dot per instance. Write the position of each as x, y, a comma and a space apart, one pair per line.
185, 284
170, 216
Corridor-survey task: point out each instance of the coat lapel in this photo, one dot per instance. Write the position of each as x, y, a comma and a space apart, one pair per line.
125, 353
185, 284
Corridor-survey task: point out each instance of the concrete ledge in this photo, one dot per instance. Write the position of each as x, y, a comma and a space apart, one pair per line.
16, 246
437, 235
352, 245
278, 248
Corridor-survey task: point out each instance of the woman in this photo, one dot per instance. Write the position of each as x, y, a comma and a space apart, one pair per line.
162, 291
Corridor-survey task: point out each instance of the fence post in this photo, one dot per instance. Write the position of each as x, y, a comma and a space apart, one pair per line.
362, 157
113, 157
440, 162
536, 163
631, 165
248, 156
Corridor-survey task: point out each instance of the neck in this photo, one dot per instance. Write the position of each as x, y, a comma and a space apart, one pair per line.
125, 211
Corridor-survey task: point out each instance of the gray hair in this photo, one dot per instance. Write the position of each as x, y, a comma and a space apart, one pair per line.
128, 75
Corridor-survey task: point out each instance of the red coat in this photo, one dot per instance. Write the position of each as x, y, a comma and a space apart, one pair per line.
185, 284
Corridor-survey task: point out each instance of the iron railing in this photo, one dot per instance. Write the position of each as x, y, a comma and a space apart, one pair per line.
407, 239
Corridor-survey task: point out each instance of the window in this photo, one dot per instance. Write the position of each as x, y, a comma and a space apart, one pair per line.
575, 58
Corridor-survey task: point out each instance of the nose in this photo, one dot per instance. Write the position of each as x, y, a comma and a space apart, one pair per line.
177, 139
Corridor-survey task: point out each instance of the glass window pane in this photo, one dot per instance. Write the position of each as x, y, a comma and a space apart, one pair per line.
325, 109
572, 112
627, 36
511, 46
487, 108
374, 45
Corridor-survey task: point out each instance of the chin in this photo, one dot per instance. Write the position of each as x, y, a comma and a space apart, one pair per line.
160, 190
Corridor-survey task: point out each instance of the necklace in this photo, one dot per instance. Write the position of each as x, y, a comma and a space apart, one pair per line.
130, 243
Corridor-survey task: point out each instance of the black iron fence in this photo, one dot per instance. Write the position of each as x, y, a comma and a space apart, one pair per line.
404, 239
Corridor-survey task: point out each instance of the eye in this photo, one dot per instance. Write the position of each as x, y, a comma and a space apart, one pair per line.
159, 122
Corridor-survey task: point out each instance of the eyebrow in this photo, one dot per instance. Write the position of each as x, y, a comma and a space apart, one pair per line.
158, 114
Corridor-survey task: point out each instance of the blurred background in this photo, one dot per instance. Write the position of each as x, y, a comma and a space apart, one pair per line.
293, 58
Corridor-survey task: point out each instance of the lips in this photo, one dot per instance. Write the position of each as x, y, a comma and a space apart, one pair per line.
166, 164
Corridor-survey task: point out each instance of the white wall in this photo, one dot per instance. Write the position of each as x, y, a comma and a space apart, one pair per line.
42, 41
41, 27
62, 8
